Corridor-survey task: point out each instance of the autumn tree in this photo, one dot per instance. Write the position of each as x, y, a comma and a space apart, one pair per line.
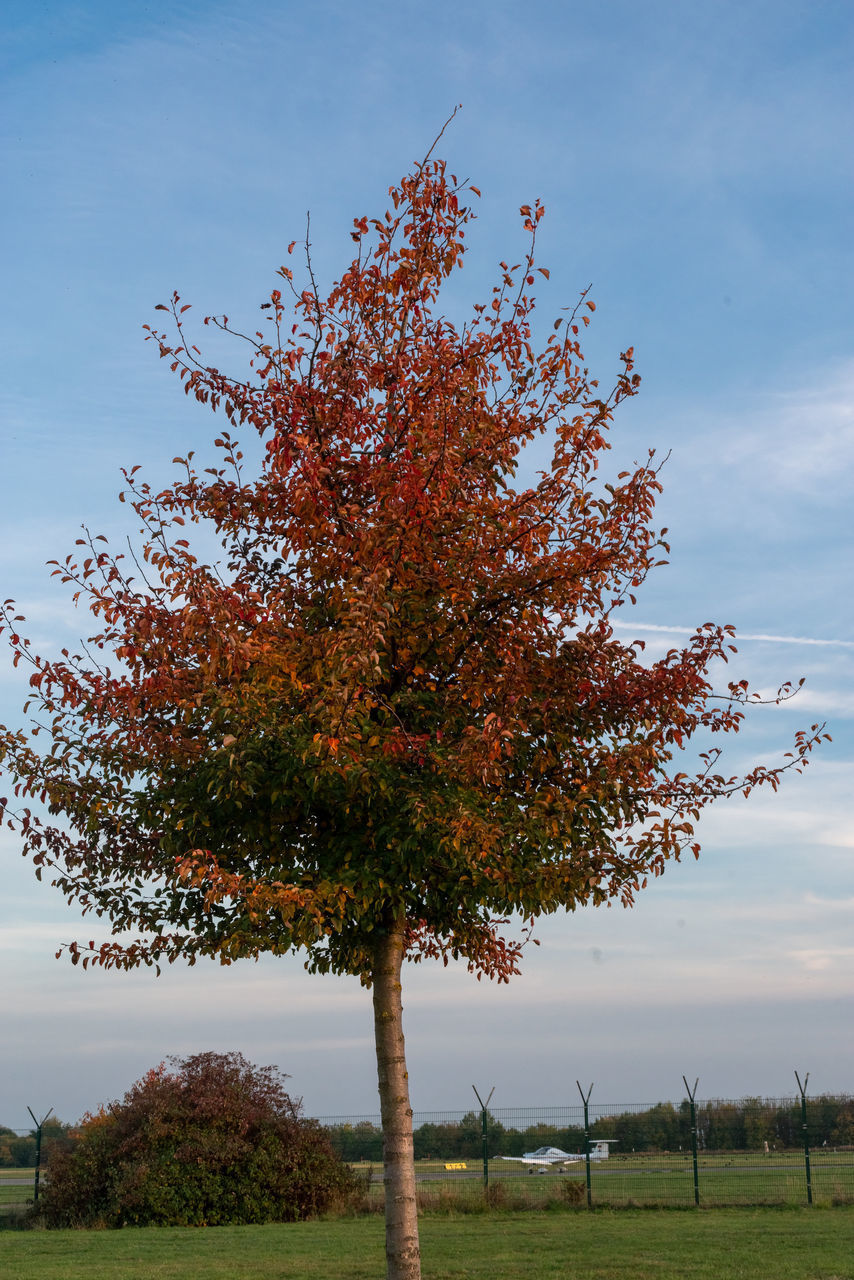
393, 713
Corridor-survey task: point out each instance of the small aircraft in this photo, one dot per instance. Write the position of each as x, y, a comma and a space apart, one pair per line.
545, 1156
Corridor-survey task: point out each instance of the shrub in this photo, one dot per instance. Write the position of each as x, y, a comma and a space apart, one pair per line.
573, 1191
215, 1140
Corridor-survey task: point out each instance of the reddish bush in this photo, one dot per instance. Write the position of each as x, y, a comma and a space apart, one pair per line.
213, 1140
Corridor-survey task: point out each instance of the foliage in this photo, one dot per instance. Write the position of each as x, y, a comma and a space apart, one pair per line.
215, 1140
400, 698
18, 1150
395, 711
743, 1125
572, 1192
360, 1141
7, 1137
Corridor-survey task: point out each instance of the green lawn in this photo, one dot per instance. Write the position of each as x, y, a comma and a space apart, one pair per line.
10, 1194
730, 1244
641, 1180
15, 1195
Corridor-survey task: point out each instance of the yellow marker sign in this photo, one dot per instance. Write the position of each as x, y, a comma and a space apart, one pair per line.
455, 1165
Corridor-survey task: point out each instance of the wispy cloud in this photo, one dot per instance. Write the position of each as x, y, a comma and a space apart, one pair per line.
820, 959
802, 438
769, 449
758, 636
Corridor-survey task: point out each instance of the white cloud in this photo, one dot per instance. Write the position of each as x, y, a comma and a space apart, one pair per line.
802, 438
821, 959
808, 813
620, 625
829, 904
837, 703
808, 909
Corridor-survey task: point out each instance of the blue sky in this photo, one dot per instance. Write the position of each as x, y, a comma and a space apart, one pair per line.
695, 162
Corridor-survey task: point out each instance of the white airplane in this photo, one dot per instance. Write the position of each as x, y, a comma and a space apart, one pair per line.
544, 1156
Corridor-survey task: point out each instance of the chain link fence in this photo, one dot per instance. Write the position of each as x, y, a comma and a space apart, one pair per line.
705, 1153
24, 1155
712, 1152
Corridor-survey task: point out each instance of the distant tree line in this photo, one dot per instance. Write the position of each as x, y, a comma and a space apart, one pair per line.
745, 1125
18, 1150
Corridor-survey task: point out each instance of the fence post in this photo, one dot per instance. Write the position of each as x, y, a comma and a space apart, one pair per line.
585, 1098
803, 1091
483, 1106
38, 1124
692, 1096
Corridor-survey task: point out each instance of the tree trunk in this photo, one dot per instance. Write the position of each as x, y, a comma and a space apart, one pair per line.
403, 1254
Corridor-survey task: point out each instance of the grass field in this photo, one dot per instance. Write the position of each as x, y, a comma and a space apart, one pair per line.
660, 1180
10, 1192
15, 1195
720, 1244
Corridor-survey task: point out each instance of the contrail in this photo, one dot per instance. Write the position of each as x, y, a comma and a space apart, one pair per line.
740, 635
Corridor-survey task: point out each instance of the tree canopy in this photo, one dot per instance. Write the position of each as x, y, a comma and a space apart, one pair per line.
394, 712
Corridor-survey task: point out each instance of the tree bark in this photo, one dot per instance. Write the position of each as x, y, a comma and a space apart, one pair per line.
403, 1254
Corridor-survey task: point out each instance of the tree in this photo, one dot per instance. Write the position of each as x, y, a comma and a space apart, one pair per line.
394, 713
7, 1137
215, 1140
361, 1141
469, 1134
18, 1150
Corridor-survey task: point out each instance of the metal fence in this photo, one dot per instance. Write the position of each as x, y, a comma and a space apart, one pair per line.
703, 1153
695, 1153
22, 1159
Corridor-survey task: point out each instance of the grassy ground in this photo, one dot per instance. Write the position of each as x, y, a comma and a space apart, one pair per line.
722, 1244
641, 1180
11, 1194
15, 1195
664, 1179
